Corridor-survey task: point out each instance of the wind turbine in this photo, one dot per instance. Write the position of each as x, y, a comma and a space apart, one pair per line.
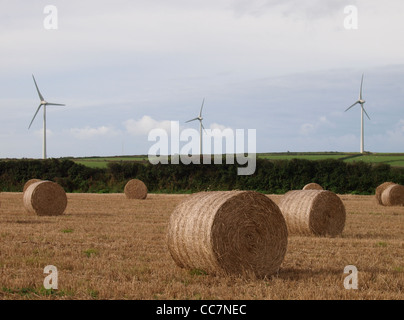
43, 103
361, 102
200, 126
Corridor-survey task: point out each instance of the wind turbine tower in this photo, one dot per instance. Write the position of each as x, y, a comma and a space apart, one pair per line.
43, 103
200, 126
361, 102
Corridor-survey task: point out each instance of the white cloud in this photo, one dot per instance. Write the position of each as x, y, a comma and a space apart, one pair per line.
310, 128
39, 133
219, 126
397, 134
307, 128
91, 133
145, 125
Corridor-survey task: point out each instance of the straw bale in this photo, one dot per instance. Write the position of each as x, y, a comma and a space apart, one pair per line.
380, 189
45, 198
313, 212
312, 186
135, 189
228, 232
29, 182
393, 195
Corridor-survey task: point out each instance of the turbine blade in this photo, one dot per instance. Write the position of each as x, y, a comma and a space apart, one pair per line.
192, 120
39, 93
34, 116
352, 106
360, 93
55, 104
200, 113
203, 126
365, 112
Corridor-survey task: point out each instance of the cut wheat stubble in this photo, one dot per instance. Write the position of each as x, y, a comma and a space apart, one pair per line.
45, 198
228, 232
313, 212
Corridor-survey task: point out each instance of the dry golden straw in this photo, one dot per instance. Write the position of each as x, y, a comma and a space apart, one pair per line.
28, 183
393, 195
317, 212
380, 189
228, 232
45, 198
312, 186
135, 189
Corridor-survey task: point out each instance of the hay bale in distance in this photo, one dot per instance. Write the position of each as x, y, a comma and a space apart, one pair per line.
393, 195
380, 189
135, 189
28, 183
313, 212
228, 232
45, 198
312, 186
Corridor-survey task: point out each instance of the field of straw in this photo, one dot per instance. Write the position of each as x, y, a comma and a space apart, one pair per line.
108, 247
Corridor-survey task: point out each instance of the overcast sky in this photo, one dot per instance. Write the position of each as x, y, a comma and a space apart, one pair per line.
286, 68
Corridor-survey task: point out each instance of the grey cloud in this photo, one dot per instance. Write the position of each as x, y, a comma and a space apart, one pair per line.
311, 9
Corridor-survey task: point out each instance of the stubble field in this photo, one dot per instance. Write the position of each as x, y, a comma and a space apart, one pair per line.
108, 247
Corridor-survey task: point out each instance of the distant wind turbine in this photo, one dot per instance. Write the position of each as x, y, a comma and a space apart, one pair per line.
43, 103
361, 102
200, 126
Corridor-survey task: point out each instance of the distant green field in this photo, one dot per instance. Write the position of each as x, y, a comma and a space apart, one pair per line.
393, 159
102, 162
307, 156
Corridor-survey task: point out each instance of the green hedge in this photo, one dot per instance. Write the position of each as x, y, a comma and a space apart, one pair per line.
277, 176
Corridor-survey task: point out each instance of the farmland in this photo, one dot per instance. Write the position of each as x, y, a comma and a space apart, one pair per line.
108, 247
393, 159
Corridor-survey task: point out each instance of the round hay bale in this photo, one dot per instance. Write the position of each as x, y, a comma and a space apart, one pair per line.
318, 212
380, 189
45, 198
135, 189
228, 232
393, 195
312, 186
28, 183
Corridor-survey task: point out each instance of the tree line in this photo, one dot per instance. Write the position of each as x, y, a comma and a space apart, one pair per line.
271, 176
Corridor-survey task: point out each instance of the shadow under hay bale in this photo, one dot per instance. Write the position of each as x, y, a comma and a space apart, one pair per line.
135, 189
313, 212
228, 232
380, 189
393, 195
312, 186
45, 198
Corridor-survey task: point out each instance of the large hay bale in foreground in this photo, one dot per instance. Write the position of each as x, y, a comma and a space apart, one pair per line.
228, 232
380, 189
135, 189
28, 183
312, 186
393, 195
318, 212
45, 198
